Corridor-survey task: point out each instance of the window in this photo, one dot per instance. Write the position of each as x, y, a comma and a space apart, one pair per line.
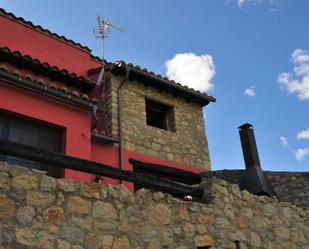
30, 133
160, 115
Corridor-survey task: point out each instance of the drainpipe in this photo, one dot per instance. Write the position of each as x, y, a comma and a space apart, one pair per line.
119, 92
96, 119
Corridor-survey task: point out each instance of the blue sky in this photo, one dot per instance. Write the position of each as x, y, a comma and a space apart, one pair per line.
252, 55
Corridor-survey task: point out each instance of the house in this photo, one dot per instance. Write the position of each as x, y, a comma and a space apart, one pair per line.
50, 98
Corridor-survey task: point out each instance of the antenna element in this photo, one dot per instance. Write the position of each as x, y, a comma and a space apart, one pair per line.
103, 31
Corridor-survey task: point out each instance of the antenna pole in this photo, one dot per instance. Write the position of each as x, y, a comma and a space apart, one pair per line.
102, 46
103, 32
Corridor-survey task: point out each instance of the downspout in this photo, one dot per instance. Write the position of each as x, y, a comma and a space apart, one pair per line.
96, 119
119, 92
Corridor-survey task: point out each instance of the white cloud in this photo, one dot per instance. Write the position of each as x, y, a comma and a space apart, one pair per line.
250, 92
241, 3
303, 134
193, 70
284, 141
298, 81
301, 153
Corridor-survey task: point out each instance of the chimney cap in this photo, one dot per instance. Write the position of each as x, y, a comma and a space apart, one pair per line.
246, 125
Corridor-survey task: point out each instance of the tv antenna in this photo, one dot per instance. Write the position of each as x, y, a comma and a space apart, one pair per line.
103, 31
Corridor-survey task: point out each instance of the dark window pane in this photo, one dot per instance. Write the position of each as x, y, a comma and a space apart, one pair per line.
31, 133
2, 133
160, 115
156, 119
22, 134
1, 130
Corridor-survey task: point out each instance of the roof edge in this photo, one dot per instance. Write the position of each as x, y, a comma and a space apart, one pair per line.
163, 83
26, 83
27, 61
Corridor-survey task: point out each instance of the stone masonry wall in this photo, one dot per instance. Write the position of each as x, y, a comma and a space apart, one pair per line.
188, 145
291, 187
41, 212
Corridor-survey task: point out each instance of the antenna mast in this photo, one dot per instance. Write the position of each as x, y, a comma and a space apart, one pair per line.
103, 31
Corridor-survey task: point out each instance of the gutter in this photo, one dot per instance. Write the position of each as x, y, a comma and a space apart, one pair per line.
119, 93
38, 67
25, 83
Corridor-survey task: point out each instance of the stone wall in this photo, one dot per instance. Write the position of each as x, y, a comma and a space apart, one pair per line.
291, 187
187, 145
40, 212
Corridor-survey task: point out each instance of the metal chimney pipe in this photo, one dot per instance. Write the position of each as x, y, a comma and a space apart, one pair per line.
248, 145
254, 179
237, 243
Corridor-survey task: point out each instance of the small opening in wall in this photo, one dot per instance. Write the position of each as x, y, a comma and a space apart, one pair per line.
160, 115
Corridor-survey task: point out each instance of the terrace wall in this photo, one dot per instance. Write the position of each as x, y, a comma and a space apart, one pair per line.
40, 212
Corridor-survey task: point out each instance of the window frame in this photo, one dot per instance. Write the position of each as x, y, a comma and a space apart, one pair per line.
10, 120
167, 111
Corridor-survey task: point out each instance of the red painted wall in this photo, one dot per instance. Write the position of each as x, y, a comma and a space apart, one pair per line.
76, 121
45, 48
108, 155
105, 154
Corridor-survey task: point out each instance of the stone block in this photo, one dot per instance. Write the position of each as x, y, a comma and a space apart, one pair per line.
105, 211
48, 183
62, 244
72, 234
53, 229
159, 215
78, 205
7, 208
39, 199
203, 240
181, 214
189, 229
25, 236
68, 185
25, 182
205, 219
25, 215
54, 214
5, 181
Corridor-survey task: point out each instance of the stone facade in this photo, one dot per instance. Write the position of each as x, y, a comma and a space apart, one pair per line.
39, 212
186, 145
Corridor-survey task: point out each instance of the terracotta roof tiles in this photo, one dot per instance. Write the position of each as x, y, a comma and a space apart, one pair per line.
27, 61
168, 85
50, 84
